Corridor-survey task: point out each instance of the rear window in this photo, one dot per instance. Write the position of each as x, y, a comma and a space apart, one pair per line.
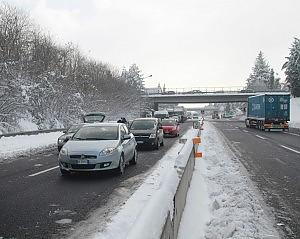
168, 122
93, 117
97, 133
142, 124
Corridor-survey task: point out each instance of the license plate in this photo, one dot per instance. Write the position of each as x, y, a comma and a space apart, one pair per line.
82, 161
140, 142
166, 132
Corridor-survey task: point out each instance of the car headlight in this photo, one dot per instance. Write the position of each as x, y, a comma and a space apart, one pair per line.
63, 151
60, 141
107, 151
152, 136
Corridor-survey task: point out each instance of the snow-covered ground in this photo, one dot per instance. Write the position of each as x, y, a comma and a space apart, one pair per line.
22, 144
295, 112
222, 201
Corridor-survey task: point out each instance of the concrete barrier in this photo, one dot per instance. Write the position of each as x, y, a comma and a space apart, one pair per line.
171, 227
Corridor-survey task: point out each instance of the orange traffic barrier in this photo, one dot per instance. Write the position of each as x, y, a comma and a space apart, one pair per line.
196, 140
198, 154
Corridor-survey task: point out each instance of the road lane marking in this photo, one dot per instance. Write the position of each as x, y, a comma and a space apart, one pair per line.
44, 171
246, 131
288, 148
258, 136
291, 134
280, 161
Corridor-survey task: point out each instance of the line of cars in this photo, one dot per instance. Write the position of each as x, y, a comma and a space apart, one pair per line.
97, 146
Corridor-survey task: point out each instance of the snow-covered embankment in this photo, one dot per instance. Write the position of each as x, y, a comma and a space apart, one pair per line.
295, 113
22, 144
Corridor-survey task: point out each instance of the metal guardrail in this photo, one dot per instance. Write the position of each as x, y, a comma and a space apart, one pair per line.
35, 132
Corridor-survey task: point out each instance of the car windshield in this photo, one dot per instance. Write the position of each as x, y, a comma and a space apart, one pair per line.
74, 128
97, 133
168, 123
142, 124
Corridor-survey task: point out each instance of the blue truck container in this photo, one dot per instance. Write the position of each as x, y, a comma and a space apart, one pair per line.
268, 111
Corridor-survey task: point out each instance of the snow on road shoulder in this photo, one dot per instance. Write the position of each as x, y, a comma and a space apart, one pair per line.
295, 112
12, 146
222, 201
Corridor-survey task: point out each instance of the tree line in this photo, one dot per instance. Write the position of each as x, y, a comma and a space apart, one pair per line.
54, 84
263, 77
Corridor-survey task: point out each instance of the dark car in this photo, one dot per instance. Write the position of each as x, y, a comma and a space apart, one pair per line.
67, 135
148, 132
169, 92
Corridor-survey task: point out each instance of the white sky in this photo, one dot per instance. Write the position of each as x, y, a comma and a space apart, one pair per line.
182, 43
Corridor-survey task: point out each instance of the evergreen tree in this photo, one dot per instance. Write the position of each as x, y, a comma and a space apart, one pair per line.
292, 68
259, 78
274, 83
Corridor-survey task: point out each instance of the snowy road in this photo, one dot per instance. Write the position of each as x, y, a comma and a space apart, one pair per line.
273, 161
36, 202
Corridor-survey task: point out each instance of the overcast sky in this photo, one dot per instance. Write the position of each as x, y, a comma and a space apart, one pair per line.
182, 43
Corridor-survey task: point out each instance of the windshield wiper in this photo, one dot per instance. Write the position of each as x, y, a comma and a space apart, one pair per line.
79, 138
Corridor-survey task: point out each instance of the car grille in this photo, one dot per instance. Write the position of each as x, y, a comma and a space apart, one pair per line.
83, 166
82, 156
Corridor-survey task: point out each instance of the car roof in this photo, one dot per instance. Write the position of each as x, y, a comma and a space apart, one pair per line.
103, 124
153, 119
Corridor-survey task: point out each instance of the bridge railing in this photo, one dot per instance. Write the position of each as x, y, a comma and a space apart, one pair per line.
206, 90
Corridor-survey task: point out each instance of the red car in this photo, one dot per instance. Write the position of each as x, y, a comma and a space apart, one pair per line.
170, 127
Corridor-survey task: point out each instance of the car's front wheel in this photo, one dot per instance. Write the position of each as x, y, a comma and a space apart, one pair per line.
156, 146
121, 168
64, 173
133, 161
162, 143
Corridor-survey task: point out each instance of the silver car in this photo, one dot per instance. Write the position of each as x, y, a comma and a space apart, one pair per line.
98, 147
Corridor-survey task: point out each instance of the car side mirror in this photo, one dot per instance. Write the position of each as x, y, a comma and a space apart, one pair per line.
126, 136
64, 131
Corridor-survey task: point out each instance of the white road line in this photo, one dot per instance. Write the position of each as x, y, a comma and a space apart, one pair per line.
280, 161
292, 134
258, 136
246, 131
44, 171
288, 148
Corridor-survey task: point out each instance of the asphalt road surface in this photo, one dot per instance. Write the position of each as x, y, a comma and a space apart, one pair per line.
36, 202
273, 161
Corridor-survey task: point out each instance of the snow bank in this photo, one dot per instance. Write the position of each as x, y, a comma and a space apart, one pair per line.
295, 112
222, 201
11, 146
144, 213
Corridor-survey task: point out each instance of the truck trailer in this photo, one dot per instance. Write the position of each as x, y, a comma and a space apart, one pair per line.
268, 111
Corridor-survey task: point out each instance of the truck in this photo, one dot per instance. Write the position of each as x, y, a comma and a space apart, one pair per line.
268, 111
179, 111
161, 114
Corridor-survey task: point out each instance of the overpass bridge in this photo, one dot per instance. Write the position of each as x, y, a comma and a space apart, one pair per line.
172, 97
